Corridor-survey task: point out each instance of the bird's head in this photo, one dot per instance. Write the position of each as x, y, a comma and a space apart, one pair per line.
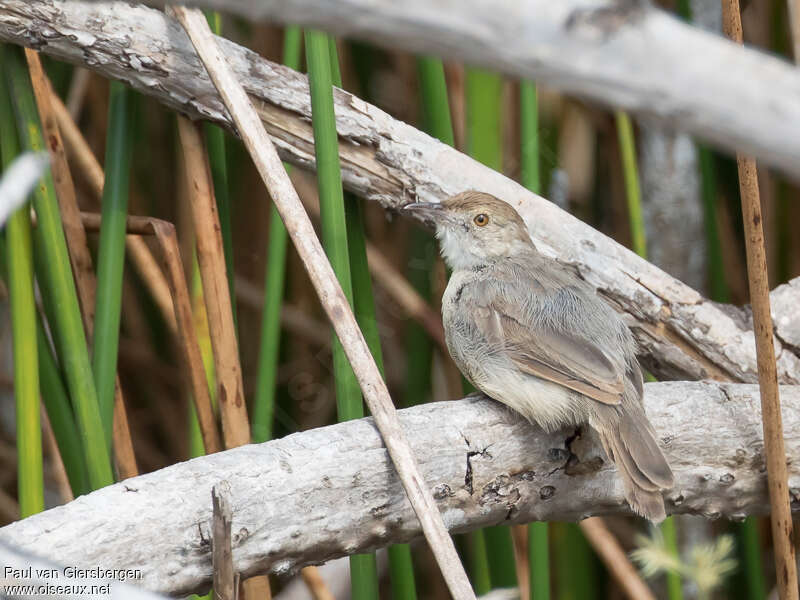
474, 229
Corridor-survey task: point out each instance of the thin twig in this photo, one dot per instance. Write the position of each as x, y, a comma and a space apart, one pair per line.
211, 258
774, 447
376, 394
79, 255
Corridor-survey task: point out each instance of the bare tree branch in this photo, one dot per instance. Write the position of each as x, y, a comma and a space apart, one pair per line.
681, 334
298, 224
624, 54
327, 492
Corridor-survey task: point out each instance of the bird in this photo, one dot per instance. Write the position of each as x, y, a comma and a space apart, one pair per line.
527, 331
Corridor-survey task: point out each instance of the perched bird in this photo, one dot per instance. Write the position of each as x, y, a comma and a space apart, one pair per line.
528, 332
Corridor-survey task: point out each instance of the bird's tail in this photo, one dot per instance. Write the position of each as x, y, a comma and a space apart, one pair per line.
629, 441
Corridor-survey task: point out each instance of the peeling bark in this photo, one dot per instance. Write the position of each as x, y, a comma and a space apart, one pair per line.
324, 493
681, 334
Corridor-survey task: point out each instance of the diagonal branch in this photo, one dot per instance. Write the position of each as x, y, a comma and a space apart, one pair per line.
331, 296
627, 55
681, 334
327, 492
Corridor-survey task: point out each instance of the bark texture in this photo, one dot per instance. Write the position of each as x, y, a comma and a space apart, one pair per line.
681, 334
328, 492
625, 54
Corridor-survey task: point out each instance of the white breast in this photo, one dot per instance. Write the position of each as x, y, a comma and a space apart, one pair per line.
549, 405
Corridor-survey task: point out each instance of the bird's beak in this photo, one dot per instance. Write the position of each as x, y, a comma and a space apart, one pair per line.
430, 212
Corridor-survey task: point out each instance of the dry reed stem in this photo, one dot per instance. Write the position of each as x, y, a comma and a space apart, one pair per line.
184, 317
216, 293
222, 554
167, 240
389, 278
269, 165
77, 91
405, 295
141, 257
257, 588
293, 319
606, 546
772, 422
519, 539
316, 584
124, 456
79, 255
9, 507
147, 266
177, 313
794, 25
58, 471
78, 247
615, 559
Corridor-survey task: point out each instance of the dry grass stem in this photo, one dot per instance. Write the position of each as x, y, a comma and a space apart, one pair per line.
293, 319
257, 588
57, 469
79, 255
398, 287
124, 456
78, 247
519, 538
211, 258
89, 167
271, 169
316, 584
9, 507
615, 559
77, 91
774, 446
167, 240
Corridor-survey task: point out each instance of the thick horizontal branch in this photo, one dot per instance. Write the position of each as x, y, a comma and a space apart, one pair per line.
327, 492
624, 54
681, 334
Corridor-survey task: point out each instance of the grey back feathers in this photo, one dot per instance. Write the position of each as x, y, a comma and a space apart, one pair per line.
528, 332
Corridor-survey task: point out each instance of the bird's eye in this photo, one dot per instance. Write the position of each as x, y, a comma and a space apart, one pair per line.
481, 219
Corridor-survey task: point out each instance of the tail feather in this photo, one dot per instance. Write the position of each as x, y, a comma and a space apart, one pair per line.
631, 444
639, 437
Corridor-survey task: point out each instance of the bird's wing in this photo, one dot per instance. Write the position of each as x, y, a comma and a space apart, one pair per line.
566, 356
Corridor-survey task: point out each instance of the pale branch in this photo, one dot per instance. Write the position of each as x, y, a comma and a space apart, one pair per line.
298, 224
629, 55
681, 334
328, 492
